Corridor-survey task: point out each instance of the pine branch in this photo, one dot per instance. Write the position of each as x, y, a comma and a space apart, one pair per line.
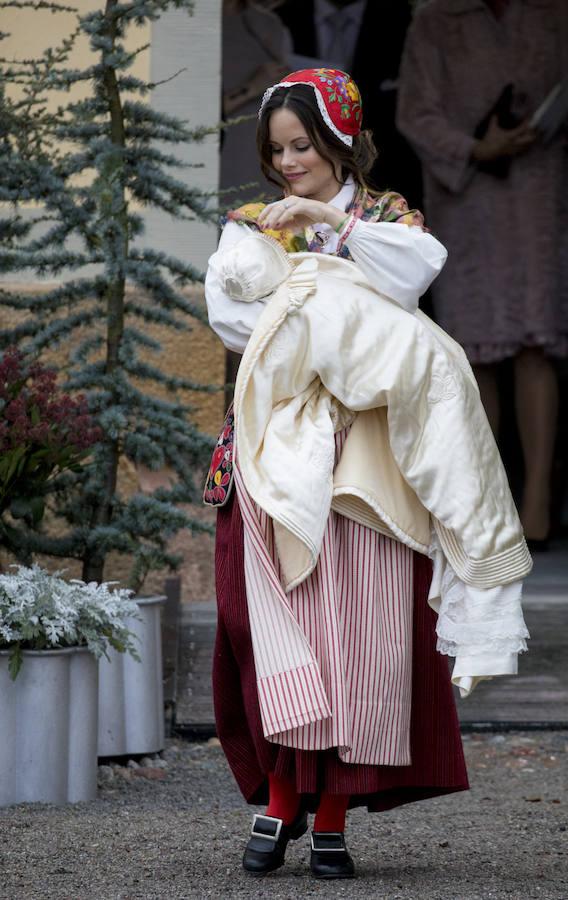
155, 286
49, 301
141, 12
36, 4
44, 264
51, 334
185, 273
146, 372
137, 114
152, 315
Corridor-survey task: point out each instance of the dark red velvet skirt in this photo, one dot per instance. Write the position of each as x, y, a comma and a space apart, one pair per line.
438, 765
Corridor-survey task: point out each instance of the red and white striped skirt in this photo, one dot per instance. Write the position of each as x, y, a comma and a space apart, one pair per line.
333, 656
374, 592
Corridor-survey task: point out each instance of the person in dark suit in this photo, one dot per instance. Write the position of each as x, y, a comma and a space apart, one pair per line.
366, 38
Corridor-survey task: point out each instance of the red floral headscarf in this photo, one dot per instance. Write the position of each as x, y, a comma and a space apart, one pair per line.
337, 96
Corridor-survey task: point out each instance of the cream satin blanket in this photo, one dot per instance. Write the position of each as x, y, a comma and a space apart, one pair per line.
420, 463
326, 347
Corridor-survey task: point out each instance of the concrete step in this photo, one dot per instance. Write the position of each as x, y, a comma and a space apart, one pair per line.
539, 693
197, 635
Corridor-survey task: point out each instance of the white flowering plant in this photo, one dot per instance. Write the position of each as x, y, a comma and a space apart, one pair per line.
40, 611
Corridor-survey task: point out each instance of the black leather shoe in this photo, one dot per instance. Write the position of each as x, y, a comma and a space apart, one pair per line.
269, 838
330, 858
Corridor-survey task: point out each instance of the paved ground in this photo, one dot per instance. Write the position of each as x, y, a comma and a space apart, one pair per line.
179, 833
539, 693
182, 835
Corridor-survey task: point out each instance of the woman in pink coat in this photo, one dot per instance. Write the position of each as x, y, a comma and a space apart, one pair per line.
473, 73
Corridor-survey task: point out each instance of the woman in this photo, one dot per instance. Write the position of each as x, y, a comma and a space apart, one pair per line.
472, 76
385, 731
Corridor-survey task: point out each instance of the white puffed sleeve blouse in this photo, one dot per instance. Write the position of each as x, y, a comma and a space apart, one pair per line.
401, 261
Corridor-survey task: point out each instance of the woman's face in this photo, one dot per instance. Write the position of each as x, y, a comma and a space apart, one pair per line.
293, 155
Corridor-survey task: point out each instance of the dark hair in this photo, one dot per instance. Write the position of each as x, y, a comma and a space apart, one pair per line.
300, 99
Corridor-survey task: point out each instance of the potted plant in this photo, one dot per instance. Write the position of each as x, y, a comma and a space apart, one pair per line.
131, 689
51, 633
45, 437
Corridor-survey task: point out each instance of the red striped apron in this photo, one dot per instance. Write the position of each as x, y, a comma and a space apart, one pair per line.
333, 657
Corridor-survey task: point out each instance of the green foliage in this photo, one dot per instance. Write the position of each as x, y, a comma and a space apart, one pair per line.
90, 167
39, 611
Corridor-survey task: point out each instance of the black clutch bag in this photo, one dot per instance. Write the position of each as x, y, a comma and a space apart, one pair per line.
507, 120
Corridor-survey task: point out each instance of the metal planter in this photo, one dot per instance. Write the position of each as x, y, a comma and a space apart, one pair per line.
48, 727
131, 693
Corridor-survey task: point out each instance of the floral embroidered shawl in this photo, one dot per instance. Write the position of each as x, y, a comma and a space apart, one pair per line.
387, 207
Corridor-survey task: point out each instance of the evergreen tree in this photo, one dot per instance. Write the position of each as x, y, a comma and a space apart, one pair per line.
90, 166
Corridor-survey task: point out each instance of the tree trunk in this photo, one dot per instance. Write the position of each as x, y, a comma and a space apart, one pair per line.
117, 251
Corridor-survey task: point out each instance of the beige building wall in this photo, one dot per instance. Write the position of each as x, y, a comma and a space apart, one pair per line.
184, 46
191, 44
32, 31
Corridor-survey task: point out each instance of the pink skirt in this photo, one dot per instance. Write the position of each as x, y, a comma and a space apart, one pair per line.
437, 765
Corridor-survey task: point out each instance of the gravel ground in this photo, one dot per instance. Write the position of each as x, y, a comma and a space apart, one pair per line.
179, 832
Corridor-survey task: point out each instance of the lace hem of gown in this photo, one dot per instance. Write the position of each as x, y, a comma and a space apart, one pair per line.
475, 622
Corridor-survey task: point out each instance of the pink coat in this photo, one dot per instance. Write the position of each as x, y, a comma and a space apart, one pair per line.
505, 285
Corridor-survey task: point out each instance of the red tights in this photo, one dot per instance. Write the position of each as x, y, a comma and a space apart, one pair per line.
284, 802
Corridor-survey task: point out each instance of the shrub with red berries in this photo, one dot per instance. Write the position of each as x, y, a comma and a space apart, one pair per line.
43, 432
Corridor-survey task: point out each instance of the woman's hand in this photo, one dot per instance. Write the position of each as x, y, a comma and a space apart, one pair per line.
297, 212
499, 142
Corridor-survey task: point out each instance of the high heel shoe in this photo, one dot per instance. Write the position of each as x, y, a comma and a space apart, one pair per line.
269, 838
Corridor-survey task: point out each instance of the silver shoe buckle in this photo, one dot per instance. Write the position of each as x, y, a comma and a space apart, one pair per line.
328, 849
261, 834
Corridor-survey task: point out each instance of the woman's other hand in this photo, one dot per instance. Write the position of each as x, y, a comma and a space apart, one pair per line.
500, 142
299, 212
